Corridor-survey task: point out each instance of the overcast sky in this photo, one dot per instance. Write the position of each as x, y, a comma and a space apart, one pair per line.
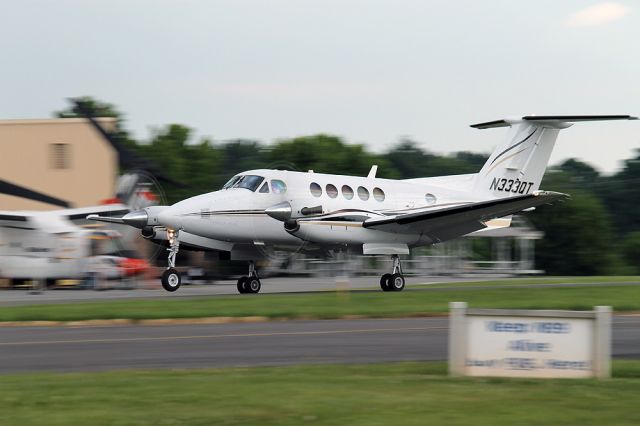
369, 71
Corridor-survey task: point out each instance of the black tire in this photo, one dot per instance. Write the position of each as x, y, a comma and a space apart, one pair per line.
242, 285
253, 285
171, 279
396, 282
384, 282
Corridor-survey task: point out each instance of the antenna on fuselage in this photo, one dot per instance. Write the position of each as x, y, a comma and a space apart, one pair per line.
373, 171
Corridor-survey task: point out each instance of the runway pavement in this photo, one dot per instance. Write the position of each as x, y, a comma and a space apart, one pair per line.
152, 289
257, 344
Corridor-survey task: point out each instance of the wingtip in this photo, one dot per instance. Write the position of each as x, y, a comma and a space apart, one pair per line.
552, 195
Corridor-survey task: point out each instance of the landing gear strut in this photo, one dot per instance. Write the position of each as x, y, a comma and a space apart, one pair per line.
250, 283
171, 277
395, 280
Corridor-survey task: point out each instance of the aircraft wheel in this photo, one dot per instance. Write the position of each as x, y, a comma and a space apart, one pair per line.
242, 285
170, 279
396, 282
384, 282
253, 285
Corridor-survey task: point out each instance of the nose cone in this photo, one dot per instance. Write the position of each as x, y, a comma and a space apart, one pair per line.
137, 219
281, 211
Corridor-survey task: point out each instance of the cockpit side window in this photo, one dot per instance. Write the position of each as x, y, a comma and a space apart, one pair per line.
250, 182
278, 186
264, 189
231, 181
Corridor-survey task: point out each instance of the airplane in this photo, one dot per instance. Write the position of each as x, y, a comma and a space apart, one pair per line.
296, 211
58, 244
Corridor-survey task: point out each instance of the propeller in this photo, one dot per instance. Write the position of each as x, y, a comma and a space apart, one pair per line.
138, 191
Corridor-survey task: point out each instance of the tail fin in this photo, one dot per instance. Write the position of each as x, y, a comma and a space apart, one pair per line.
516, 167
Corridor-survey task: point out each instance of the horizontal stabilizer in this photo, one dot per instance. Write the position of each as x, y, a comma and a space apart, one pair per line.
550, 119
577, 118
491, 124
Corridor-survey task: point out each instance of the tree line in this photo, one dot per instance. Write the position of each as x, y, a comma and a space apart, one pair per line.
596, 232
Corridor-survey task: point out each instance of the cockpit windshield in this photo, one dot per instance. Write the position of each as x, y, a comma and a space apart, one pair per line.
250, 182
230, 182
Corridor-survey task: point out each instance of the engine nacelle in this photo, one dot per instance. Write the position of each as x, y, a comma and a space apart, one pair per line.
290, 210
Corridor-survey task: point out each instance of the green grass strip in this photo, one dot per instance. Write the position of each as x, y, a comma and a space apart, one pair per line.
380, 394
327, 305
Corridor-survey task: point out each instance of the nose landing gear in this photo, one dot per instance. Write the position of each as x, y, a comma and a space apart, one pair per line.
395, 280
250, 283
171, 277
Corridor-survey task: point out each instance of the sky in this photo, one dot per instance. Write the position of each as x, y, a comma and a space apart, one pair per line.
370, 71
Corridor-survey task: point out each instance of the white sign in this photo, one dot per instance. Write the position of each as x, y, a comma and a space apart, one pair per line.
529, 347
527, 343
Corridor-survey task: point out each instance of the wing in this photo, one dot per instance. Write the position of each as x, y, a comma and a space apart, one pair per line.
16, 220
445, 223
31, 220
108, 210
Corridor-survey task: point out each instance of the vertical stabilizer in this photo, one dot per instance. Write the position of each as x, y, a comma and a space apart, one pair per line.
516, 167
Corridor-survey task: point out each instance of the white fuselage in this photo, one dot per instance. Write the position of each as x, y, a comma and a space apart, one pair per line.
237, 214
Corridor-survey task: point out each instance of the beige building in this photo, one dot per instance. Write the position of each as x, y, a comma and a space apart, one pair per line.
64, 158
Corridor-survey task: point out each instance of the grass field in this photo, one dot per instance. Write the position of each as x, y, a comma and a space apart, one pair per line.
506, 294
381, 394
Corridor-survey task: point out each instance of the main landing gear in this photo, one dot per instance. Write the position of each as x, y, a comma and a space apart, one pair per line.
251, 283
171, 277
395, 280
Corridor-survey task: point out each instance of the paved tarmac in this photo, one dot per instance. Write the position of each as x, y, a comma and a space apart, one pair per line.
256, 344
152, 289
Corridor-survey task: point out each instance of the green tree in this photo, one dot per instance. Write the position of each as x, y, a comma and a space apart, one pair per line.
581, 174
87, 106
578, 239
84, 105
327, 154
410, 161
240, 155
630, 248
621, 194
475, 160
195, 165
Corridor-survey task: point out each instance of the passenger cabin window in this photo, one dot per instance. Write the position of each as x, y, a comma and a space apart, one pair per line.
278, 186
332, 191
250, 182
316, 190
363, 193
264, 189
347, 192
378, 194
